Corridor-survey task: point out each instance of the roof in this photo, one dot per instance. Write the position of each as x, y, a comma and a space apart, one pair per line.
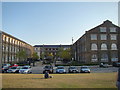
105, 22
14, 37
52, 45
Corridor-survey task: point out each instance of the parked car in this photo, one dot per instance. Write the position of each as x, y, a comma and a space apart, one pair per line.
72, 69
103, 65
6, 64
4, 69
25, 70
116, 64
14, 69
13, 65
48, 68
84, 69
60, 69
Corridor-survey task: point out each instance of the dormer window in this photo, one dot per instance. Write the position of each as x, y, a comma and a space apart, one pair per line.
112, 29
102, 29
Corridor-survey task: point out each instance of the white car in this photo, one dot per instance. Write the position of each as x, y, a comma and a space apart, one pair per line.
14, 69
60, 69
84, 69
25, 70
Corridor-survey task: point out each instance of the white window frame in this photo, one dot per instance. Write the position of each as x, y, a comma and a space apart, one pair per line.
112, 29
103, 37
94, 46
113, 46
113, 36
94, 58
103, 29
93, 36
103, 46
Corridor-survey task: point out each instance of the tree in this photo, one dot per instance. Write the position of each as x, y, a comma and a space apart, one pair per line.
35, 56
21, 55
64, 54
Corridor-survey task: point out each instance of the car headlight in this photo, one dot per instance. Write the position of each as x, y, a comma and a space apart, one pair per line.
13, 70
26, 71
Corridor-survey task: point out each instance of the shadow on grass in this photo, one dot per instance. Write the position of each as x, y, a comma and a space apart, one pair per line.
36, 78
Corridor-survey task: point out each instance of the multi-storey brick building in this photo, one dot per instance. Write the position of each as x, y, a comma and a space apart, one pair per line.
10, 46
100, 44
49, 49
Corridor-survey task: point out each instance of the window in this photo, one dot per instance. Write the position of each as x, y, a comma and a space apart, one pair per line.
94, 46
64, 48
7, 39
113, 37
103, 46
12, 58
12, 48
112, 29
103, 37
3, 47
36, 49
6, 58
114, 57
10, 40
94, 58
113, 46
93, 37
6, 48
102, 29
3, 37
104, 57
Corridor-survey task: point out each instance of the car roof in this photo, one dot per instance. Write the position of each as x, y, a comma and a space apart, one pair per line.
72, 66
26, 66
60, 66
84, 66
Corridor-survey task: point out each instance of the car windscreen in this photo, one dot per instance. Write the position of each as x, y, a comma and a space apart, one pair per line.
60, 67
4, 64
84, 67
25, 67
48, 66
13, 67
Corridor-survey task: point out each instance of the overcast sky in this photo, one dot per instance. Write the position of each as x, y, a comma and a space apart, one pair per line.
55, 22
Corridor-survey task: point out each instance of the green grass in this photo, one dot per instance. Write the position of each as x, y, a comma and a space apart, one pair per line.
92, 80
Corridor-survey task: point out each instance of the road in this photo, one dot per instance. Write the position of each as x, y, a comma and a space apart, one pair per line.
38, 69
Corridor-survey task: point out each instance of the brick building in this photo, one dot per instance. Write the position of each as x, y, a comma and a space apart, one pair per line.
100, 44
49, 49
10, 46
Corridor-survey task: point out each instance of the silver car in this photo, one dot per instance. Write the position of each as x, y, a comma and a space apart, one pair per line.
14, 69
25, 70
60, 69
84, 69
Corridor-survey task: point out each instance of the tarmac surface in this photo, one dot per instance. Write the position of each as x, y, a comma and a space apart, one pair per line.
38, 69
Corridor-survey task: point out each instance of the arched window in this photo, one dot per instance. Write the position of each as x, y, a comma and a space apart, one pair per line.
103, 46
93, 46
113, 46
94, 58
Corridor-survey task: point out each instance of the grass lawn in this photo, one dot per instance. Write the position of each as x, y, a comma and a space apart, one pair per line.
92, 80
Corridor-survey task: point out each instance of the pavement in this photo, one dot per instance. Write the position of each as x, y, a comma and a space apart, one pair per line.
38, 69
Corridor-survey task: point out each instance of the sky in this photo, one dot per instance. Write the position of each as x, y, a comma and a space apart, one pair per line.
55, 22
